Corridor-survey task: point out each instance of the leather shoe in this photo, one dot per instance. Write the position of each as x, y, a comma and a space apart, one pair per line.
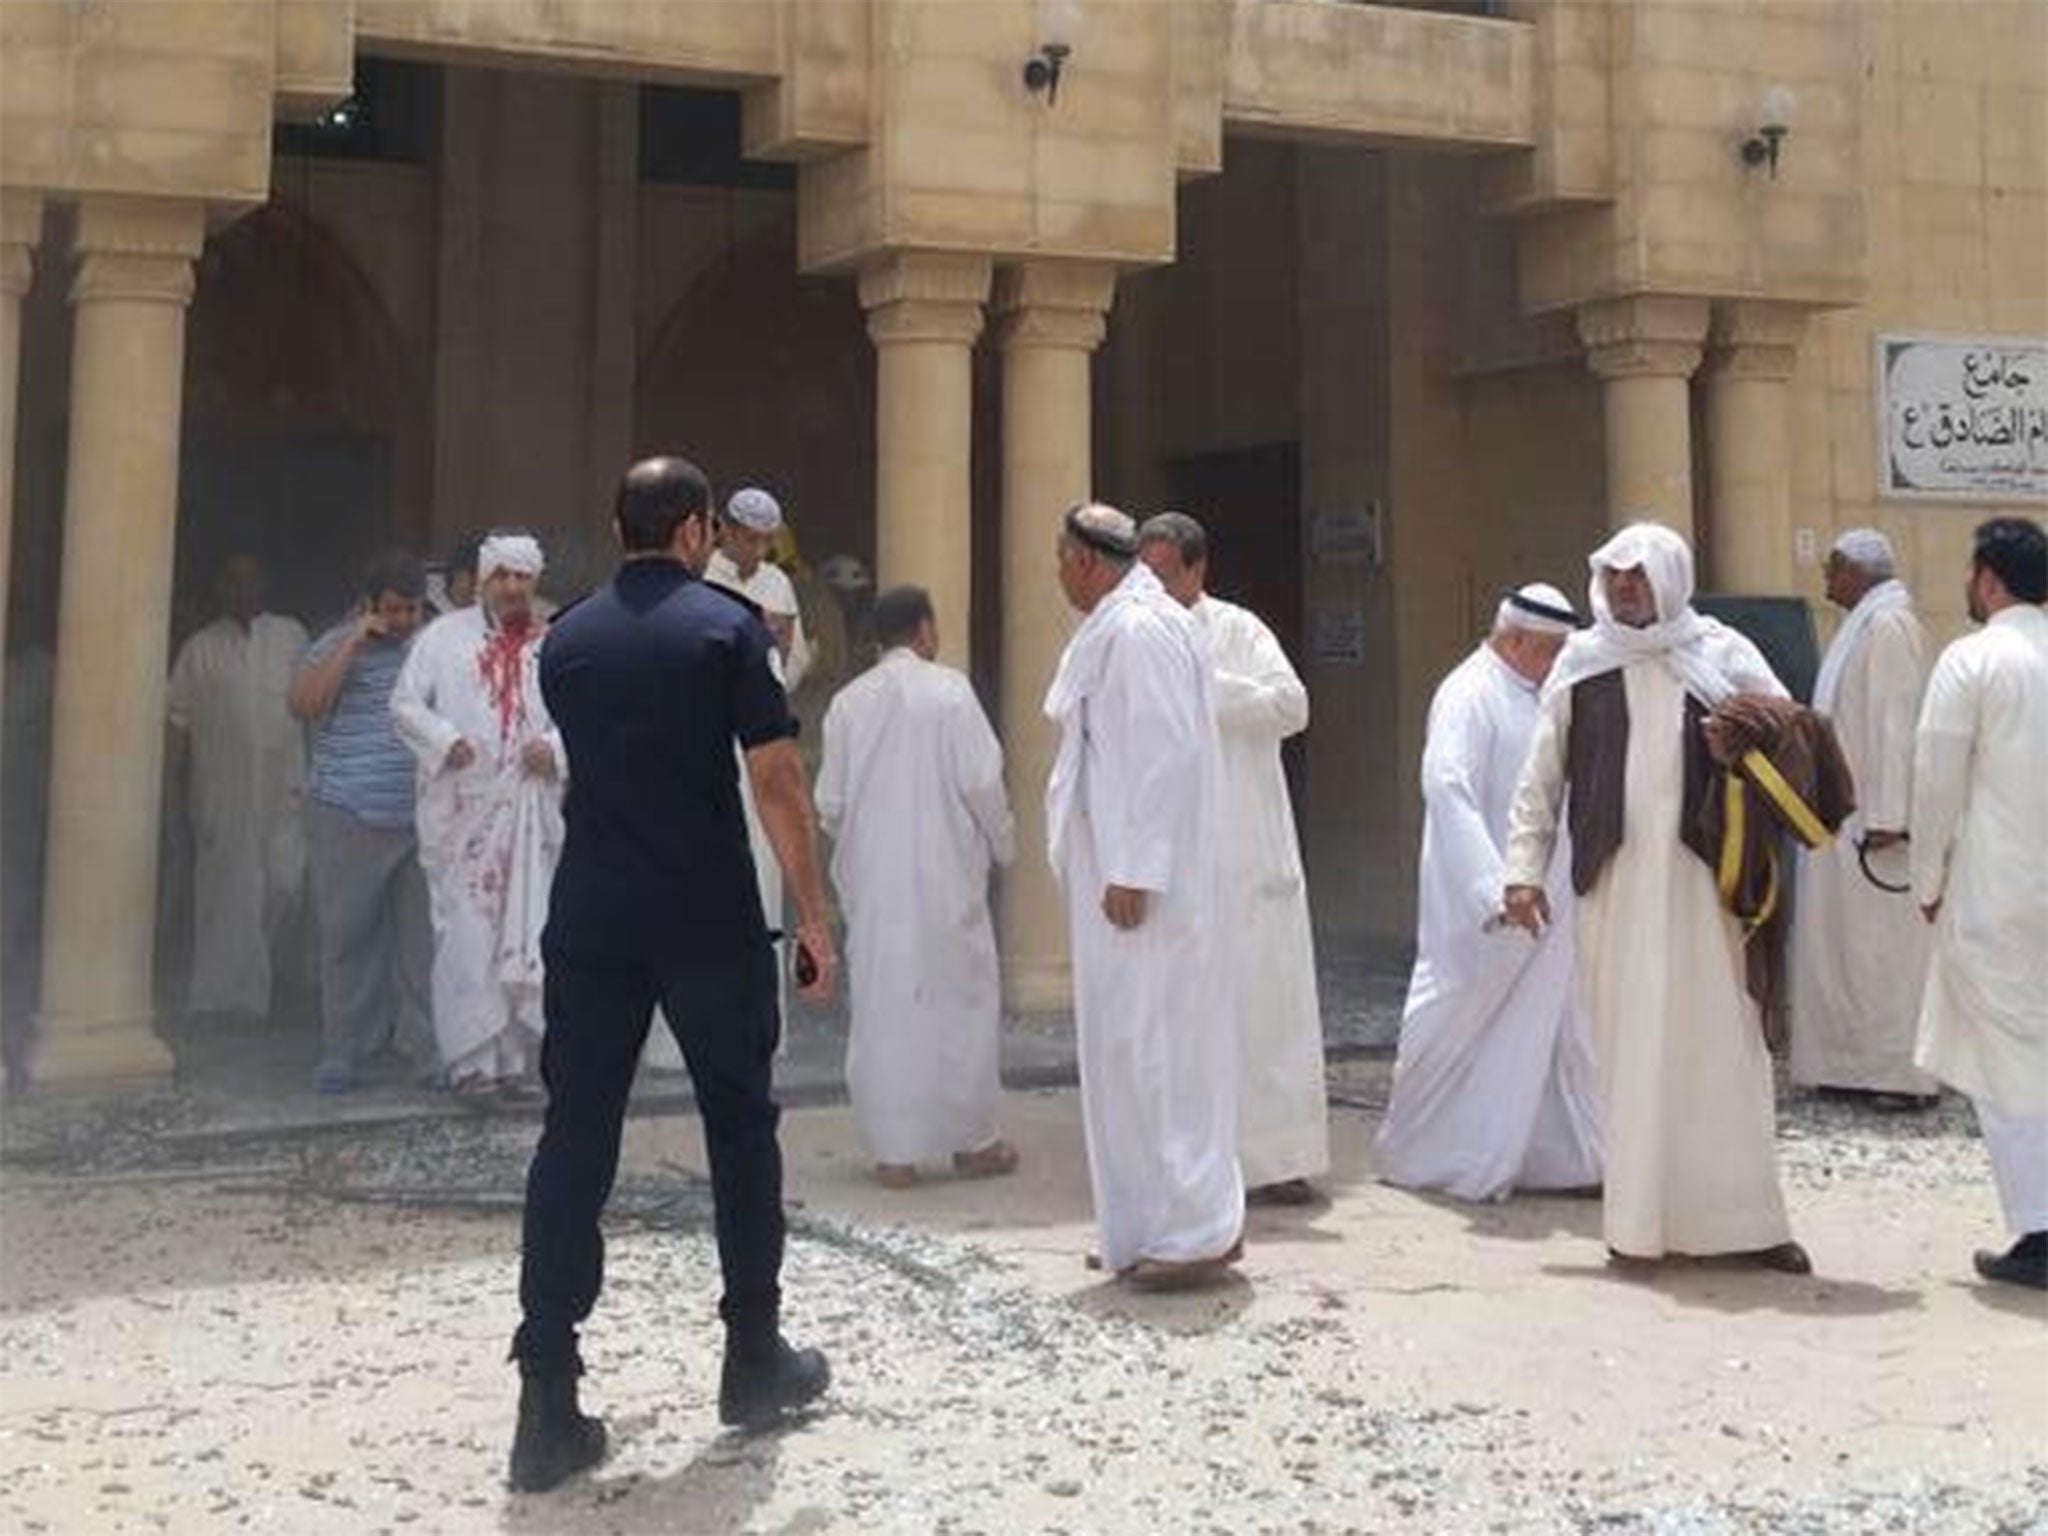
1785, 1258
555, 1440
2019, 1265
758, 1388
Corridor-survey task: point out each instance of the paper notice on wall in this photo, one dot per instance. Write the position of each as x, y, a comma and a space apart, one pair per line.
1346, 533
1962, 419
1336, 637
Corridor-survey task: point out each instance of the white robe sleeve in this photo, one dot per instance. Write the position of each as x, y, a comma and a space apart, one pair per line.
1941, 774
1539, 790
1146, 741
412, 710
977, 761
799, 664
1460, 838
1257, 691
829, 797
178, 704
1897, 666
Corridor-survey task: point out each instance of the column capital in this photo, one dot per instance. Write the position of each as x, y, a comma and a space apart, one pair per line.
1755, 339
21, 231
1054, 304
925, 296
1643, 334
137, 248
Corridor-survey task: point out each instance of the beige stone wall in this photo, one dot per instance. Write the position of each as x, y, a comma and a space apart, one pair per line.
1954, 164
159, 97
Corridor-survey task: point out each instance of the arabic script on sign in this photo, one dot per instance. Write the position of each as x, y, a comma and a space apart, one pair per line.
1963, 419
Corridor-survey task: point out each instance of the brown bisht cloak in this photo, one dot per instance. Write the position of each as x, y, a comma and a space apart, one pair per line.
1788, 779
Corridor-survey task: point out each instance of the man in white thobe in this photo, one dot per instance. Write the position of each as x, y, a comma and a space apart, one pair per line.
1494, 1086
1131, 818
1859, 952
245, 763
468, 703
753, 519
1980, 875
1282, 1114
740, 565
1687, 1109
912, 798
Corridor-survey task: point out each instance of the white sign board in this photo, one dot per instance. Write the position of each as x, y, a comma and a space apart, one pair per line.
1962, 419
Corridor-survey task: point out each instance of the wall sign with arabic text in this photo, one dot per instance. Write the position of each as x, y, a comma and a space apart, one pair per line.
1962, 419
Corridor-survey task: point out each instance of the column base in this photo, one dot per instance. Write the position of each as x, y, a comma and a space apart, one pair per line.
81, 1053
1038, 986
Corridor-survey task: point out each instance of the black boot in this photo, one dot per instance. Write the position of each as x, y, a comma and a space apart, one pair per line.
2025, 1263
555, 1440
765, 1378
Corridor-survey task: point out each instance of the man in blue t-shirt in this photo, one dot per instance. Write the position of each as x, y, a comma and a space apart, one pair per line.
370, 899
651, 680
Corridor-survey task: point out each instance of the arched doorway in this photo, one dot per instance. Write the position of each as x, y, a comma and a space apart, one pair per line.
765, 377
305, 439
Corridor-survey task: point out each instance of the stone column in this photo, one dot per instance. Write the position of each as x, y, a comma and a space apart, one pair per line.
21, 230
129, 298
1754, 347
1645, 348
924, 312
1051, 316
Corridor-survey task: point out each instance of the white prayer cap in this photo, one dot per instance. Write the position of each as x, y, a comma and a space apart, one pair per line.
752, 507
1539, 608
1104, 529
1665, 558
518, 553
1867, 550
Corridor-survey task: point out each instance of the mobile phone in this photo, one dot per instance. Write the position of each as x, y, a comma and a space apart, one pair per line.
806, 967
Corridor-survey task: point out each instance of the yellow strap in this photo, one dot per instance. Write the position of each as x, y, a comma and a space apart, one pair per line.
1734, 806
1805, 824
1769, 904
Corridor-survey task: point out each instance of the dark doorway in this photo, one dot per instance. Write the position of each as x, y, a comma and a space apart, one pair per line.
1250, 501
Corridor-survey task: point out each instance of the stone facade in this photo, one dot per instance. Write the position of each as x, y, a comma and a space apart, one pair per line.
1409, 301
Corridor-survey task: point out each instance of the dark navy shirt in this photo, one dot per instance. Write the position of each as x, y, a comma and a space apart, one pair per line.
651, 680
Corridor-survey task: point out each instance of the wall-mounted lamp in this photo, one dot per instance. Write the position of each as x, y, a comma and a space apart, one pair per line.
1043, 72
1058, 22
1774, 121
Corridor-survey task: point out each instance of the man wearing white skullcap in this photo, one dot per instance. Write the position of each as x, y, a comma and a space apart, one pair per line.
468, 703
1859, 949
1687, 1113
1132, 818
740, 564
1493, 1084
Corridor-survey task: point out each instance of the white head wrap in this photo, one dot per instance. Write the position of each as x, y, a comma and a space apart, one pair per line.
518, 553
1529, 613
752, 507
1868, 550
1712, 660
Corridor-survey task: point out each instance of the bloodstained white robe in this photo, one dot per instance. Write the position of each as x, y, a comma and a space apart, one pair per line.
1133, 801
1859, 954
247, 765
911, 795
490, 835
1282, 1110
1494, 1085
1686, 1100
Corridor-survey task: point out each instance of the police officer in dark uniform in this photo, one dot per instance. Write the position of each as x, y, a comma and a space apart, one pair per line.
651, 680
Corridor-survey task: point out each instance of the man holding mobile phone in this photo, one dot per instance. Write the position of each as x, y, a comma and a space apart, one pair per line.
369, 896
651, 680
